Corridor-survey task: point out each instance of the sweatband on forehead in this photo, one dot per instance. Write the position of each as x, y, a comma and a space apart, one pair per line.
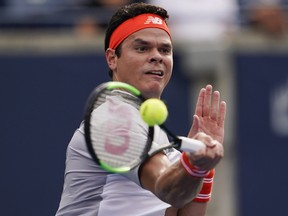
135, 24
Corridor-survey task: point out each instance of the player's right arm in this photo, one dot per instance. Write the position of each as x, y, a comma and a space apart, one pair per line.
170, 182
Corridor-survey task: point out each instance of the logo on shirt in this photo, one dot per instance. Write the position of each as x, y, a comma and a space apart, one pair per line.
154, 20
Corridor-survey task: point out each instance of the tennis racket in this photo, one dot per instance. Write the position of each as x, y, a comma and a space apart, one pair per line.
113, 132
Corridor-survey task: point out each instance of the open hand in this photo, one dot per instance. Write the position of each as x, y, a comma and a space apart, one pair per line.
209, 115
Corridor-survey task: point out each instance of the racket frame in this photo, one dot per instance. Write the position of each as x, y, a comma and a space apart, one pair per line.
87, 116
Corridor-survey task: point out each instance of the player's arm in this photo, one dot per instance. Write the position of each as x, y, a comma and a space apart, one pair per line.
193, 209
171, 182
209, 117
199, 204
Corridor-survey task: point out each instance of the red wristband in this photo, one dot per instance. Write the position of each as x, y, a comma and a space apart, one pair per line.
190, 169
206, 190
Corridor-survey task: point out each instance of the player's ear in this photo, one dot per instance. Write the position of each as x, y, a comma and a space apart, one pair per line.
111, 59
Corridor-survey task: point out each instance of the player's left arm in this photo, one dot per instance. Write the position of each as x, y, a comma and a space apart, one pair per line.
209, 118
193, 209
169, 182
172, 182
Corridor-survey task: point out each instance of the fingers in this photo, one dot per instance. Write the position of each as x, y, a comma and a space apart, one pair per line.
215, 105
209, 105
222, 114
211, 158
209, 118
208, 158
200, 102
195, 127
207, 101
204, 101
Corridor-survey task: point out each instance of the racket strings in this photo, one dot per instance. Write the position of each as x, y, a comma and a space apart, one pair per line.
113, 134
101, 98
118, 155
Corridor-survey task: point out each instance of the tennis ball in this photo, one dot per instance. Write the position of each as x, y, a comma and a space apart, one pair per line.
153, 111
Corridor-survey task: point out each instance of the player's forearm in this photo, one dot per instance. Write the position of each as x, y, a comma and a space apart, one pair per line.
193, 209
177, 188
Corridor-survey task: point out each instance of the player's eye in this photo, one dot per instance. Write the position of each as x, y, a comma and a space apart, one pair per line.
141, 48
165, 50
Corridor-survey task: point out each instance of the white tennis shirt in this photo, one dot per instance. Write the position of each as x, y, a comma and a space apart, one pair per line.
91, 191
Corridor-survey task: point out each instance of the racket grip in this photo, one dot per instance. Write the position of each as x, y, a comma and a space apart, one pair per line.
191, 145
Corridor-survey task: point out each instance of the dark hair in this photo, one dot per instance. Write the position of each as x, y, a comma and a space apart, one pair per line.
126, 12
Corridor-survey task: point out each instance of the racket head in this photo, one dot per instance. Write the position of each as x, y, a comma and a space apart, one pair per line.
111, 128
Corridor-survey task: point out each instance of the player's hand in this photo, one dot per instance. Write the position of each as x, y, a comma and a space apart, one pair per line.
209, 115
208, 158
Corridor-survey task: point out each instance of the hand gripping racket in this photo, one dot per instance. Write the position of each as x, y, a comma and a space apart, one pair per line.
113, 134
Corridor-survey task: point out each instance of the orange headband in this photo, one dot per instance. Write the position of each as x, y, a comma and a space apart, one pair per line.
135, 24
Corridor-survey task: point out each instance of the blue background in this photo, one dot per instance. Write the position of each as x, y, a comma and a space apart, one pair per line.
42, 103
262, 153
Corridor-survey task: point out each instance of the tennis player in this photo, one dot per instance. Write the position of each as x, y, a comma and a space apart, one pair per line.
139, 51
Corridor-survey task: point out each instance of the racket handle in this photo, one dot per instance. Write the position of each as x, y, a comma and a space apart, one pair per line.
191, 145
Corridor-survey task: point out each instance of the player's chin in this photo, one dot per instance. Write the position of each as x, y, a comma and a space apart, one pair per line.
156, 85
152, 91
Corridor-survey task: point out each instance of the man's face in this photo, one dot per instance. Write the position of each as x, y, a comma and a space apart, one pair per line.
146, 61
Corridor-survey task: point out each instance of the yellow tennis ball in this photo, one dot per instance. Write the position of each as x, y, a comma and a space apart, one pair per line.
154, 111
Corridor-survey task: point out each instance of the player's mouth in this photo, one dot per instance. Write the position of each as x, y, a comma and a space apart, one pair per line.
156, 73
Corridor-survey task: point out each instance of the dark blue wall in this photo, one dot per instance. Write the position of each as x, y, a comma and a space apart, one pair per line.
42, 100
262, 128
41, 103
